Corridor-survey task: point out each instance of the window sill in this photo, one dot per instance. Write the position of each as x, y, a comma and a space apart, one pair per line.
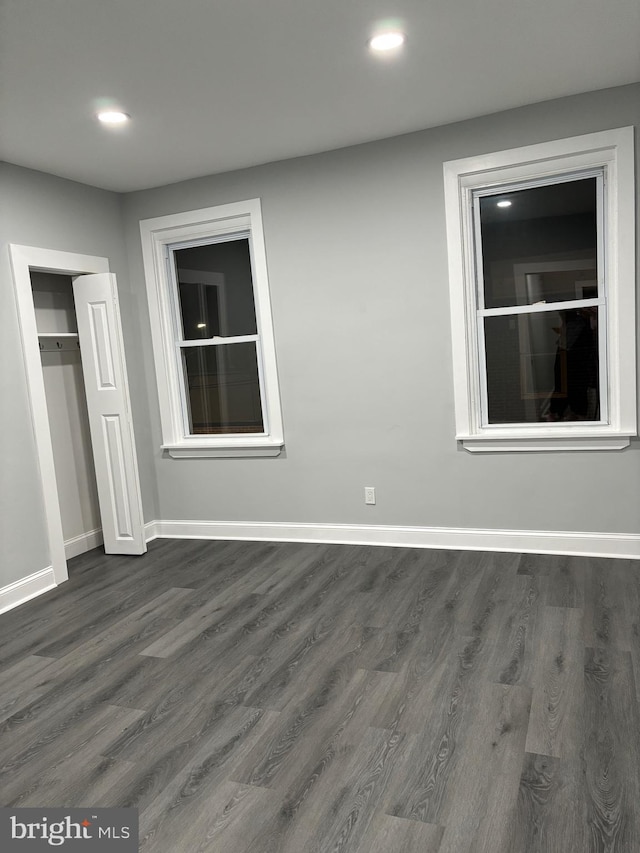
226, 449
533, 443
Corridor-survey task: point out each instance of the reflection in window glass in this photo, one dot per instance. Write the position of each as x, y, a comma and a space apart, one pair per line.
544, 225
543, 367
200, 308
223, 389
216, 290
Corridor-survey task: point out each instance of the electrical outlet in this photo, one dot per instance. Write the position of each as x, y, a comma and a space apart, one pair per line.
369, 495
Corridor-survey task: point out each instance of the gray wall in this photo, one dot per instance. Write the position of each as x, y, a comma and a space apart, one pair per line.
44, 211
356, 250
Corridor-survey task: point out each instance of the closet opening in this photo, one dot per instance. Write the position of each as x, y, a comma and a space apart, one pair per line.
65, 299
68, 417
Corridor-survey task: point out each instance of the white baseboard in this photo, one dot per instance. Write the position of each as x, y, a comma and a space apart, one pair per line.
26, 588
151, 531
620, 545
83, 543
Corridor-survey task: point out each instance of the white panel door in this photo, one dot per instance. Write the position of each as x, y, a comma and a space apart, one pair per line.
107, 388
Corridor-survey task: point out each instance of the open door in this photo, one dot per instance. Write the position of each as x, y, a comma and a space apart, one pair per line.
110, 424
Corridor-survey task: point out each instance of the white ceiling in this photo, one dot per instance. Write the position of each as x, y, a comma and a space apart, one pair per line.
214, 85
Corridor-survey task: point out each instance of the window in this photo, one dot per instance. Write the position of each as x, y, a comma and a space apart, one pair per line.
542, 282
212, 335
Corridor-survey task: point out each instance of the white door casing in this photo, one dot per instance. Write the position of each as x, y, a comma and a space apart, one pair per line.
24, 260
106, 386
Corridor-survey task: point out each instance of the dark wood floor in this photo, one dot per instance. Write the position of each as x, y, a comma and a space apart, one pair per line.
287, 698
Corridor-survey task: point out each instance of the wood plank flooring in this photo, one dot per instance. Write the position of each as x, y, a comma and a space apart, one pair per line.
294, 698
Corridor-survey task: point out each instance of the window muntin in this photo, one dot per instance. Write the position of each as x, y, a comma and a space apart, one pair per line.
539, 288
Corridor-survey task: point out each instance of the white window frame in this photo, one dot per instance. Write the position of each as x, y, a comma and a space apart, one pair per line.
196, 227
613, 152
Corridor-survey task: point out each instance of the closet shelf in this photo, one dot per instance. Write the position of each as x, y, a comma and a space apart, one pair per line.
58, 341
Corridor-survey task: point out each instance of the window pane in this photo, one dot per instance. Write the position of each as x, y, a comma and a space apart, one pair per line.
216, 290
223, 391
540, 247
543, 367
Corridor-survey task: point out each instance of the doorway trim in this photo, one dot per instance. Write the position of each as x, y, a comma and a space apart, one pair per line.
24, 260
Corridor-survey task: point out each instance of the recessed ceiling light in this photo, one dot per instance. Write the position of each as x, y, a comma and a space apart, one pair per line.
504, 203
113, 117
387, 41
